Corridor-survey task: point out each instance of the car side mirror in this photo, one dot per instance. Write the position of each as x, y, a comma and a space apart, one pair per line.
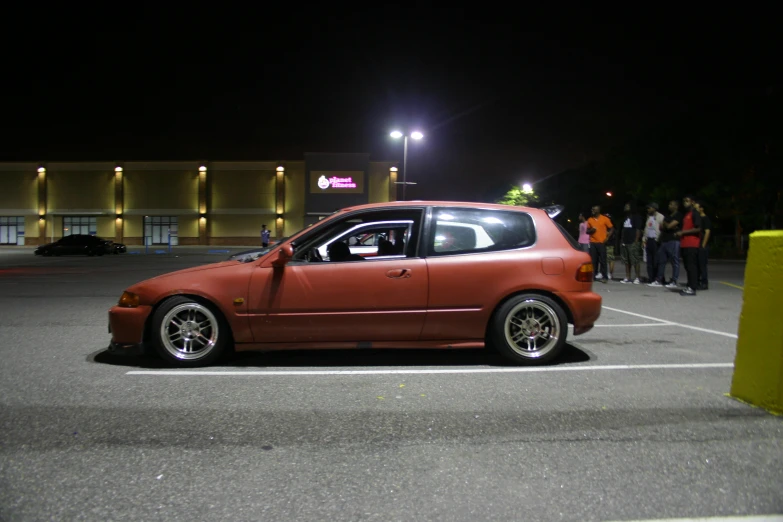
284, 255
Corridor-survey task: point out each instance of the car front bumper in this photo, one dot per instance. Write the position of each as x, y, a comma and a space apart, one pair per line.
126, 349
126, 326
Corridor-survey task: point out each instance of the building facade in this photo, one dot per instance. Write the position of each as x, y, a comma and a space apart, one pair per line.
183, 202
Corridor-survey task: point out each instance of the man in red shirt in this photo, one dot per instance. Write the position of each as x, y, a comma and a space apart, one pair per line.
600, 229
689, 244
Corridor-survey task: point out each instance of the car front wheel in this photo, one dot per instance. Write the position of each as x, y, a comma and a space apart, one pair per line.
529, 329
188, 333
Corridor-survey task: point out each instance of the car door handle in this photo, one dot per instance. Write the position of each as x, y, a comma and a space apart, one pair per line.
399, 273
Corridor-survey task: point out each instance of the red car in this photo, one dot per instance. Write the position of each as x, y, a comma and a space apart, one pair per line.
453, 275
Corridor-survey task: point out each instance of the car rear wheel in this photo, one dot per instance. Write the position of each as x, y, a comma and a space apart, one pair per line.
529, 329
188, 333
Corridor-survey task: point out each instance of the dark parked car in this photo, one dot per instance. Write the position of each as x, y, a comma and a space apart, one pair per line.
80, 244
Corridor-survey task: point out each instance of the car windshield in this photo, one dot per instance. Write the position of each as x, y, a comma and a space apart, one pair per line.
251, 255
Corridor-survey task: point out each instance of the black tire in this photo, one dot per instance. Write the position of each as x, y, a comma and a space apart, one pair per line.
529, 329
198, 337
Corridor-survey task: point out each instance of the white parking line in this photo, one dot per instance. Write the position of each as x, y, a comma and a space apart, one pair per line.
522, 369
749, 518
627, 325
665, 322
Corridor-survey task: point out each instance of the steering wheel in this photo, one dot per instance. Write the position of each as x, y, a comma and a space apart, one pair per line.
314, 256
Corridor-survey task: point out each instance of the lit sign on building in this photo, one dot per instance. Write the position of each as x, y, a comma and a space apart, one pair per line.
336, 181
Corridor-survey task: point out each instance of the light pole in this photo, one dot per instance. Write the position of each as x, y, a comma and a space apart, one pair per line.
416, 135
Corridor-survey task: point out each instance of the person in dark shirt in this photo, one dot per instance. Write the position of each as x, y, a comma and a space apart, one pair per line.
612, 250
689, 236
631, 243
704, 251
669, 249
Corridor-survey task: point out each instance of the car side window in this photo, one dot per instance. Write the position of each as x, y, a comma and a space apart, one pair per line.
370, 235
462, 231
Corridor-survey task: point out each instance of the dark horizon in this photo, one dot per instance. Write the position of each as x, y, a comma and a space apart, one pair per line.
500, 103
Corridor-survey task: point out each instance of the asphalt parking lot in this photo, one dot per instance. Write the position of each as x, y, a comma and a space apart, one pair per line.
633, 423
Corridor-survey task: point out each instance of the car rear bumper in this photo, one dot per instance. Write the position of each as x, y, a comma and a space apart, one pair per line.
585, 309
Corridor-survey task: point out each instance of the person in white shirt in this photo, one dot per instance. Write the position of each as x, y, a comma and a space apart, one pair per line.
650, 237
264, 236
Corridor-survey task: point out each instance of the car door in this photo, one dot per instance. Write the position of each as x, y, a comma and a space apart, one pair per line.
81, 244
64, 246
473, 257
74, 244
364, 300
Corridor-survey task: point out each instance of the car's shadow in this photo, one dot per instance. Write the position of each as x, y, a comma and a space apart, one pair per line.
344, 358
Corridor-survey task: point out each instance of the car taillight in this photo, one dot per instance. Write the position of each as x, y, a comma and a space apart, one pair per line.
585, 273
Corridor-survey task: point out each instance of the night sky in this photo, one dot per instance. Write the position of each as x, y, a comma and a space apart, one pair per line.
503, 96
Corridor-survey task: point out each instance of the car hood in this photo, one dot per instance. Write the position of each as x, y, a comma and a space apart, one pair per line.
181, 280
177, 273
46, 245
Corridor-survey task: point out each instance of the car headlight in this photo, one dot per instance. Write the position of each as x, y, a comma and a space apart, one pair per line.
129, 300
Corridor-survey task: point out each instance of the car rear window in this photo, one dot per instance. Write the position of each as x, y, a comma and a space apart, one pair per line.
479, 230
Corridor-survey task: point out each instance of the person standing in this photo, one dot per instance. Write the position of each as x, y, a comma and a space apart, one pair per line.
612, 249
264, 236
600, 229
652, 233
584, 237
669, 249
631, 244
704, 252
689, 238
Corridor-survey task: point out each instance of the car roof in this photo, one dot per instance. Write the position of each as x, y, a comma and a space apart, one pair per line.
438, 203
84, 235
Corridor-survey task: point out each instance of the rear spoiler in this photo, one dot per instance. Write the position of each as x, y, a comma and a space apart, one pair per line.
553, 210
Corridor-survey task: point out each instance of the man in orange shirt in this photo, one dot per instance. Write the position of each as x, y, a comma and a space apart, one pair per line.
600, 229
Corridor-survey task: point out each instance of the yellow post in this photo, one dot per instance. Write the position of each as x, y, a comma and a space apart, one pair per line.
119, 204
758, 365
42, 207
203, 233
279, 201
393, 184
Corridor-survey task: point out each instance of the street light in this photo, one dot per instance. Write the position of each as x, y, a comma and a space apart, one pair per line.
527, 188
416, 135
